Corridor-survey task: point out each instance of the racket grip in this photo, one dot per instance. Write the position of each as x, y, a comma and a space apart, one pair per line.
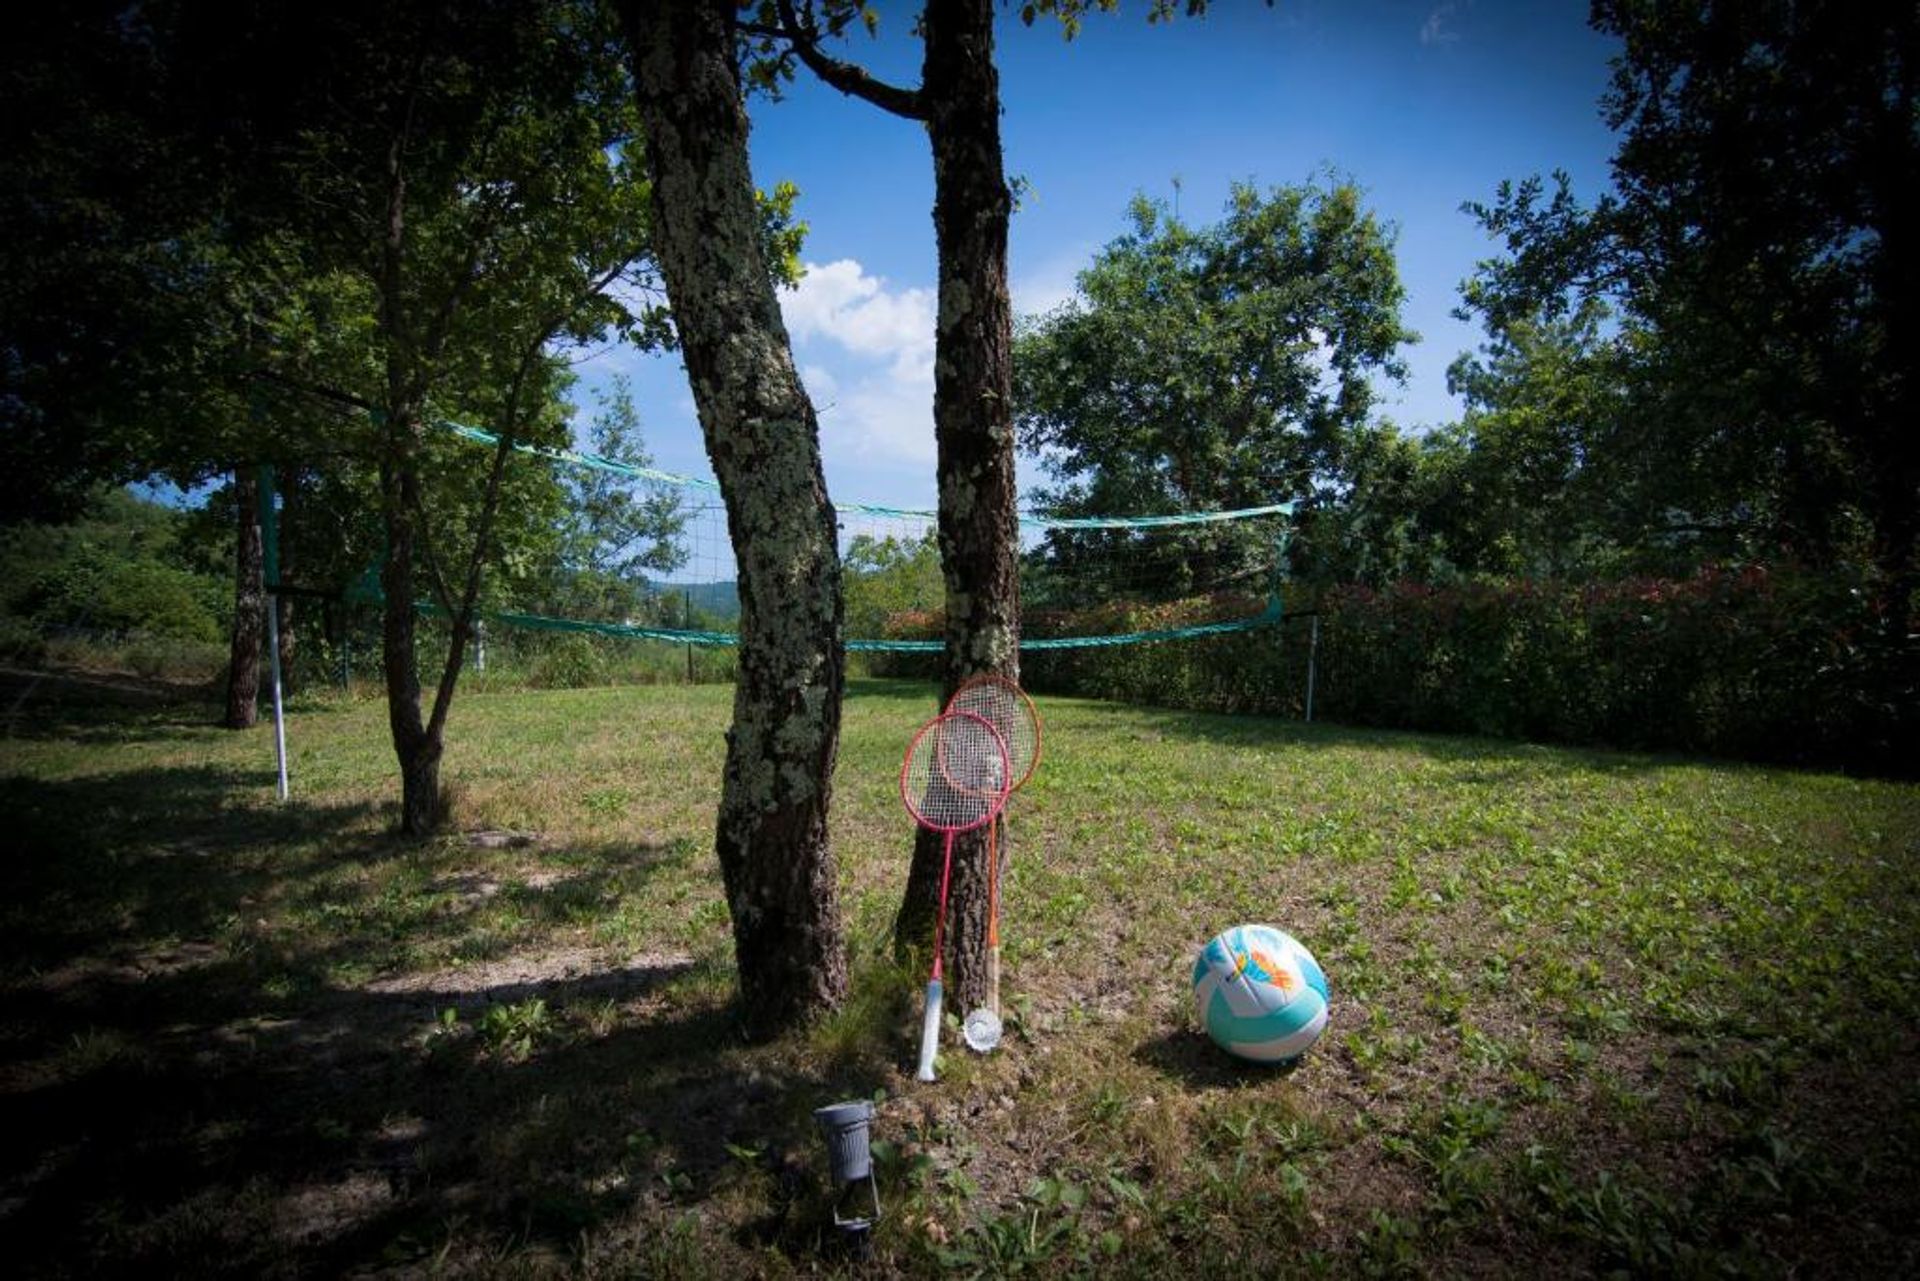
930, 1032
993, 978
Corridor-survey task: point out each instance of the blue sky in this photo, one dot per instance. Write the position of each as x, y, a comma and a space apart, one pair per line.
1426, 103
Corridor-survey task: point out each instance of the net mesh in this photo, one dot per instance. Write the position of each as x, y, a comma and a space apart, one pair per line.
956, 775
1084, 581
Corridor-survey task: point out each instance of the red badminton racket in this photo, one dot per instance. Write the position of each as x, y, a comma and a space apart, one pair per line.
1005, 706
956, 777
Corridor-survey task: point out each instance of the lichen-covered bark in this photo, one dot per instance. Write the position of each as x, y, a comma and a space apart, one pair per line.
763, 440
973, 430
249, 619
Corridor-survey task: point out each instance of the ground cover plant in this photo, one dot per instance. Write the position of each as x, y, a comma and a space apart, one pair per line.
1592, 1012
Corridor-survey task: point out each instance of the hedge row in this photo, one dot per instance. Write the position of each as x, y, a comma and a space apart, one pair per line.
1746, 662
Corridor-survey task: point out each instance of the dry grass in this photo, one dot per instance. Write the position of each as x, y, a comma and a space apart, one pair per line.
1592, 1012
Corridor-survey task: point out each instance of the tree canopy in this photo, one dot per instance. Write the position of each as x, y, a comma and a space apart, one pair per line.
1220, 366
1757, 256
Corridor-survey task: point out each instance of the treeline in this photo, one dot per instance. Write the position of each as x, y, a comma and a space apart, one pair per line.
125, 566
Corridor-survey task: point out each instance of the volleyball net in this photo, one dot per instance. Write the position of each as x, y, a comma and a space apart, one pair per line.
1086, 581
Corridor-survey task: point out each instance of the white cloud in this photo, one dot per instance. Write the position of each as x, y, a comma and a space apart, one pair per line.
841, 302
891, 417
867, 359
1040, 290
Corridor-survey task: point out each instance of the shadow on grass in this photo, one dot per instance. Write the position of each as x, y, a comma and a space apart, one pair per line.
184, 1121
342, 1134
1191, 1060
89, 707
144, 854
188, 1091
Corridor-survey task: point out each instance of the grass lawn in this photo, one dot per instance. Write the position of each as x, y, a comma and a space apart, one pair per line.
1592, 1012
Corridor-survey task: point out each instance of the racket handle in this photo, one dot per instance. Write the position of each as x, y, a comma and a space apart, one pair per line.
930, 1032
993, 978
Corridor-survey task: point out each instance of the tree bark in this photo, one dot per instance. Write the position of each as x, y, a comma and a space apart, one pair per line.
973, 433
249, 604
416, 749
763, 441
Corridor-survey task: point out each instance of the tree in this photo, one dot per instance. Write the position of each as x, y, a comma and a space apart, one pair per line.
249, 605
400, 208
1215, 367
1759, 251
763, 440
1381, 529
463, 166
94, 198
124, 565
958, 101
616, 533
131, 311
887, 577
1538, 477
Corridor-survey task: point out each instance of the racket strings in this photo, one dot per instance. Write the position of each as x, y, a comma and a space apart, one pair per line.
956, 775
1005, 706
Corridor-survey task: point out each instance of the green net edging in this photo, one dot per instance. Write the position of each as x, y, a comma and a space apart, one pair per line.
1268, 617
626, 631
1029, 519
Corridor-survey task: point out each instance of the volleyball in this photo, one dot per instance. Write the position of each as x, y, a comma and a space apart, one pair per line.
1260, 994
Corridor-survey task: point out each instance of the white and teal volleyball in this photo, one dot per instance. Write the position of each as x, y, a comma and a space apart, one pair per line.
1260, 994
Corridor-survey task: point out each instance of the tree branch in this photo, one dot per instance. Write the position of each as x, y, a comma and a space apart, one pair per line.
318, 390
461, 618
846, 76
435, 579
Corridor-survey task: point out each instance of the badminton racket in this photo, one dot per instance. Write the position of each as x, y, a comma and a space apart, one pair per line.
955, 777
1005, 706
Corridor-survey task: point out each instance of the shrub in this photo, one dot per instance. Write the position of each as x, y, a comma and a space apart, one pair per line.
569, 662
1742, 661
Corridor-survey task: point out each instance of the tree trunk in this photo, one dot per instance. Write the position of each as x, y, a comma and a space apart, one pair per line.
973, 432
249, 605
763, 441
417, 750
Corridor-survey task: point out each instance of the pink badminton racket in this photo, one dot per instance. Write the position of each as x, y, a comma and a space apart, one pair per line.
956, 777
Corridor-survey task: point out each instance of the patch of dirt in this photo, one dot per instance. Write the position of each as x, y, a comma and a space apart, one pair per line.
468, 887
501, 839
477, 886
126, 966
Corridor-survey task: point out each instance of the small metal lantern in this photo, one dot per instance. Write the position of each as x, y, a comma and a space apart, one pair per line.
847, 1128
